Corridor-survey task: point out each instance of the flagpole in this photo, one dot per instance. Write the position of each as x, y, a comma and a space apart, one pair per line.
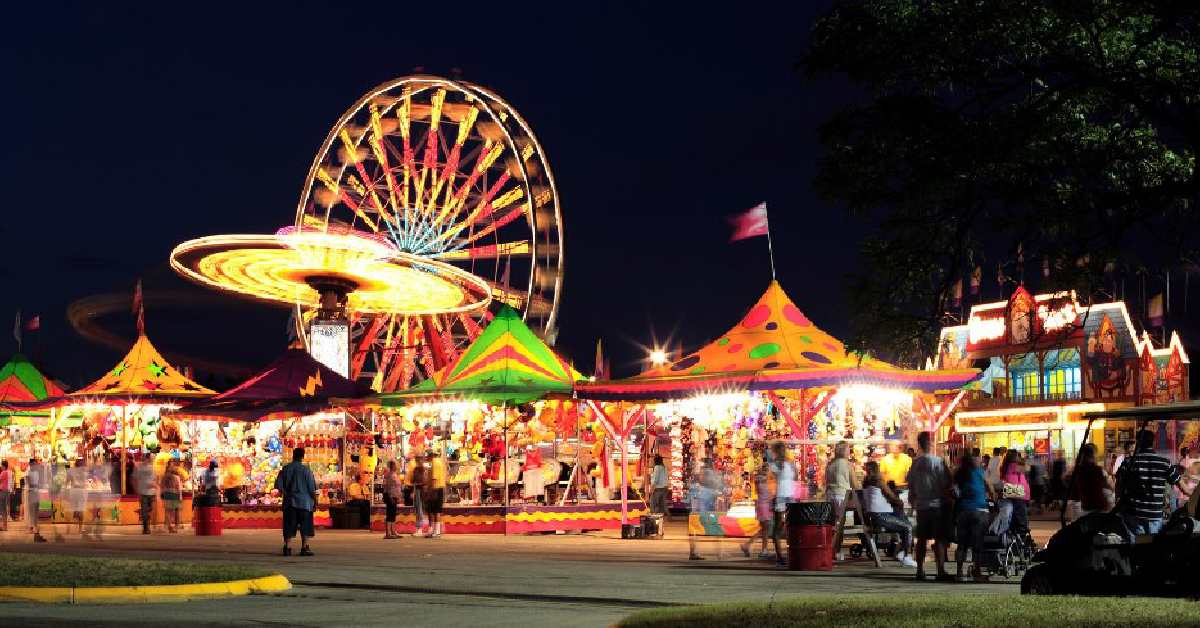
770, 249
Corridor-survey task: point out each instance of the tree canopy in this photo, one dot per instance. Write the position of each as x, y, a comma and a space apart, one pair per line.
1054, 139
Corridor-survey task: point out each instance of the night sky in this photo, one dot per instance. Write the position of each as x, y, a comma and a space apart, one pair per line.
133, 129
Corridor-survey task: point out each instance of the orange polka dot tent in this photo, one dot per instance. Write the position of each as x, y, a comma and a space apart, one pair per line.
507, 363
142, 373
774, 347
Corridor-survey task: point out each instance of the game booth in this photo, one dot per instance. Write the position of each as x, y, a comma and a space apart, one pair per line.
517, 453
774, 377
111, 425
251, 430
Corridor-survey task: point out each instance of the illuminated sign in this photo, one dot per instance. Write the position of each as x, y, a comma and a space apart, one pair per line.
1041, 420
981, 330
329, 344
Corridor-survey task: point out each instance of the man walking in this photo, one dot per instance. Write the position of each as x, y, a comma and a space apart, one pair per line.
1142, 484
298, 488
147, 488
928, 486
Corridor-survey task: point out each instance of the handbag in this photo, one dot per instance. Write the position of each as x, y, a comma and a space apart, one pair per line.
1012, 491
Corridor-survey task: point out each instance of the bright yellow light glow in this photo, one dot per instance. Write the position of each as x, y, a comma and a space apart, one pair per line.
658, 357
279, 269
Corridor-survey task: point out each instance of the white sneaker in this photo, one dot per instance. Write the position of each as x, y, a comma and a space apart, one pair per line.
906, 560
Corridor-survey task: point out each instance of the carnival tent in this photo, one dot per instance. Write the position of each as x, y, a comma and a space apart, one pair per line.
142, 374
506, 364
21, 381
774, 347
293, 385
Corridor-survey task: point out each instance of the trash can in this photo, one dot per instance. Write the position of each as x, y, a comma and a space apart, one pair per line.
810, 536
652, 526
210, 521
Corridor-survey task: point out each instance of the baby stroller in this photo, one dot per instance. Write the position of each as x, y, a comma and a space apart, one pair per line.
1007, 551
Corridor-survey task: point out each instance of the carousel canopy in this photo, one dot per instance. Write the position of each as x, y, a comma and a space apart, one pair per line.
507, 363
21, 381
774, 347
294, 385
143, 374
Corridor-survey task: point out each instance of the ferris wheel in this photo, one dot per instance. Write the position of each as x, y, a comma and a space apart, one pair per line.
450, 174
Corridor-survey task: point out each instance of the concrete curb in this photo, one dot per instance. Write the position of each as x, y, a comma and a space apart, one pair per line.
145, 594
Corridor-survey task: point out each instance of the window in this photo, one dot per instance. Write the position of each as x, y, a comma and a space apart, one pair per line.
1024, 384
1062, 382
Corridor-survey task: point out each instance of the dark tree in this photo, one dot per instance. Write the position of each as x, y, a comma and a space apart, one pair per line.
1050, 134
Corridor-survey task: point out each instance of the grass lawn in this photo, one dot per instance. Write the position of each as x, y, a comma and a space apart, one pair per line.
47, 570
1011, 611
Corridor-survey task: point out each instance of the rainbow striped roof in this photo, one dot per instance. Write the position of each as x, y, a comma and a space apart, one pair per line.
774, 347
507, 363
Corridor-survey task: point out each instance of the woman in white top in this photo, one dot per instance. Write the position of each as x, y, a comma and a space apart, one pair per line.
839, 481
880, 504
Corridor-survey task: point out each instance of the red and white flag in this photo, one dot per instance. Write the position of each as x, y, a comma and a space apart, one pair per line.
34, 323
139, 309
750, 224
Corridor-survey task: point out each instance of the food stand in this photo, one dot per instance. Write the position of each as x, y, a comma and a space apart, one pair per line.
775, 377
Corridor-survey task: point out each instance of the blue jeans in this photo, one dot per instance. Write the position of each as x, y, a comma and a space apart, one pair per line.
890, 522
1142, 526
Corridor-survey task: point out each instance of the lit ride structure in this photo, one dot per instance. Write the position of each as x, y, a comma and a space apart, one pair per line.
453, 192
501, 421
775, 376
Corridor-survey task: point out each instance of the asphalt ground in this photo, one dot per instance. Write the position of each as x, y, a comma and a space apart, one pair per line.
359, 579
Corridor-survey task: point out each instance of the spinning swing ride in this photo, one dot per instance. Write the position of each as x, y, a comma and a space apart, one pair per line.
429, 204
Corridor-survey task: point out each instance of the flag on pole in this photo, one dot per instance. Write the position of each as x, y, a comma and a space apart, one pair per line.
34, 323
1155, 310
17, 330
956, 295
1045, 266
139, 309
750, 224
976, 279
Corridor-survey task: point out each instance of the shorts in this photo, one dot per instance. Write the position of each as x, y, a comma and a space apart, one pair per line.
781, 503
762, 510
297, 519
390, 509
933, 523
171, 501
433, 499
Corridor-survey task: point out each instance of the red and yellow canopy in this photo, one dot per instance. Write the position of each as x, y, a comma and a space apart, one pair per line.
774, 347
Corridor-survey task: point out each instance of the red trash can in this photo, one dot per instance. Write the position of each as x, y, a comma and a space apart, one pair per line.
810, 548
210, 521
810, 536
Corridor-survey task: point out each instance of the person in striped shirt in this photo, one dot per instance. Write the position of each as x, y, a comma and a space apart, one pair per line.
1142, 483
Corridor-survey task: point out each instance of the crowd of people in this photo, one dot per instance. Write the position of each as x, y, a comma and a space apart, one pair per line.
930, 502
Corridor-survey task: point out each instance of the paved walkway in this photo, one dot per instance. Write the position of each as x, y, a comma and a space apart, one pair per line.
358, 578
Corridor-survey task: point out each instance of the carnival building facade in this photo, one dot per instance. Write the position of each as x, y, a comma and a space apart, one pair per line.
1046, 360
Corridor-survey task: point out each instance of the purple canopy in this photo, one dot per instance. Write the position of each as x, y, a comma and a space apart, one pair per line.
293, 385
